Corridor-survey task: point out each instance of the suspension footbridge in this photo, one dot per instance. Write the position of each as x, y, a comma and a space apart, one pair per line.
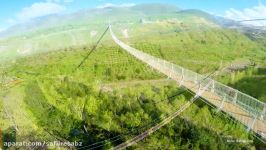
240, 106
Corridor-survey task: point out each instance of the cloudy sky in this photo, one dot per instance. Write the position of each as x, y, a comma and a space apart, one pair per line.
15, 11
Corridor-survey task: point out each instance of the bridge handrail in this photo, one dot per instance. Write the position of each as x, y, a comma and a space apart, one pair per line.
246, 102
250, 105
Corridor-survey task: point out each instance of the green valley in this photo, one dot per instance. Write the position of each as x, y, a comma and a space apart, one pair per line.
113, 96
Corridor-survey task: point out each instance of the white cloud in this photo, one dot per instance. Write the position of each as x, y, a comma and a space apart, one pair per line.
2, 29
257, 12
68, 1
53, 1
107, 5
11, 21
59, 1
40, 9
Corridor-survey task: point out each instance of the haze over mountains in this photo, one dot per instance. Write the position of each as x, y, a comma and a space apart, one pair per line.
101, 15
56, 32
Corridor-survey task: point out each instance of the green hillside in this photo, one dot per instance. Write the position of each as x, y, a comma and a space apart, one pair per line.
113, 96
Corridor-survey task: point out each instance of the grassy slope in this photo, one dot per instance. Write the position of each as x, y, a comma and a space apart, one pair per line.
110, 63
206, 47
204, 51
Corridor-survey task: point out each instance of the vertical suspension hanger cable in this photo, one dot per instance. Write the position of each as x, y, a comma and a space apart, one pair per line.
92, 50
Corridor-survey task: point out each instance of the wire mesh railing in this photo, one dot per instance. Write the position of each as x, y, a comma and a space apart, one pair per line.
253, 107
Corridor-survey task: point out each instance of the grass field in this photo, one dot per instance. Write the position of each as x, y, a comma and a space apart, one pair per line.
72, 106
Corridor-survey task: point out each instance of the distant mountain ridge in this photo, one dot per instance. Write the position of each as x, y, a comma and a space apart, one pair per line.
57, 32
116, 14
101, 15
